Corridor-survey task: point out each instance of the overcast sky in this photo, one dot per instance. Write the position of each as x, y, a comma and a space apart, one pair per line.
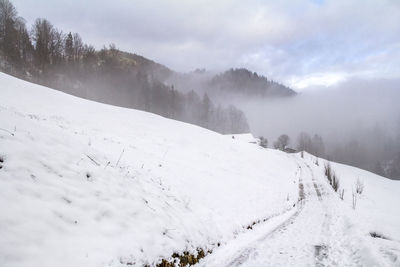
299, 43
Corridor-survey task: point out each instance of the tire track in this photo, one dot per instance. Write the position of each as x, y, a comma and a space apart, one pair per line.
247, 252
316, 234
321, 251
319, 195
285, 241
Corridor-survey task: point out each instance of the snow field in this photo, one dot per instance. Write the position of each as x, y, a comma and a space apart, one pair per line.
87, 184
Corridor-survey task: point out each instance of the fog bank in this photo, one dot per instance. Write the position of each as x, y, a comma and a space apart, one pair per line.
343, 110
358, 120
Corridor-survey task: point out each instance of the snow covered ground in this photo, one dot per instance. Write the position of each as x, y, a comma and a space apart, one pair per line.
88, 184
324, 231
247, 138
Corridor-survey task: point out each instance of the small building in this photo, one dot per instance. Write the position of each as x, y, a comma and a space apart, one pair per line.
289, 150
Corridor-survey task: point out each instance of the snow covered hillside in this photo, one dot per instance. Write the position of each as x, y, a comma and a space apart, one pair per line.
88, 184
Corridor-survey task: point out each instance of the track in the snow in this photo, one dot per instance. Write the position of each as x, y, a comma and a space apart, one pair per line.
245, 253
315, 234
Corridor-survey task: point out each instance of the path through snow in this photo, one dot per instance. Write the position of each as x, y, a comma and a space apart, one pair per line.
316, 233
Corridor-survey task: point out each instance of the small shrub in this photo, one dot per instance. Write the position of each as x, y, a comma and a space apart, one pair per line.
354, 200
263, 142
342, 194
378, 235
359, 186
1, 162
328, 172
331, 176
335, 183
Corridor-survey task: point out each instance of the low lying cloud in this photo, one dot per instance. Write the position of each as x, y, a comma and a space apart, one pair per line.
334, 112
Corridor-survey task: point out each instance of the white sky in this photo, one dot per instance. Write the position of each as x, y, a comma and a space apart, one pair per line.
299, 43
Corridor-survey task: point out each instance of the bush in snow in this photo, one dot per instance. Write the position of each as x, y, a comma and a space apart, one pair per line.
341, 194
359, 186
335, 182
354, 200
282, 142
1, 162
328, 172
331, 176
263, 142
359, 190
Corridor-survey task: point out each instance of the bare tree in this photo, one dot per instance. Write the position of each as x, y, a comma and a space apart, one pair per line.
42, 35
9, 34
57, 47
263, 142
69, 47
8, 14
318, 147
282, 142
303, 142
77, 46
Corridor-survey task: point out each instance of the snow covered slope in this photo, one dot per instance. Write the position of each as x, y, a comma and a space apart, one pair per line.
88, 184
247, 138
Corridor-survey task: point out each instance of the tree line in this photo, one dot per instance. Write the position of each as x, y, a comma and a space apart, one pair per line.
244, 82
381, 157
48, 56
314, 145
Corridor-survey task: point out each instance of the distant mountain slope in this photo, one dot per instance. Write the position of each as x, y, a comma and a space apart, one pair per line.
233, 82
147, 66
46, 55
128, 80
247, 83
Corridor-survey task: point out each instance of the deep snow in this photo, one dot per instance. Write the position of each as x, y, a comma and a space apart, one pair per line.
88, 184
